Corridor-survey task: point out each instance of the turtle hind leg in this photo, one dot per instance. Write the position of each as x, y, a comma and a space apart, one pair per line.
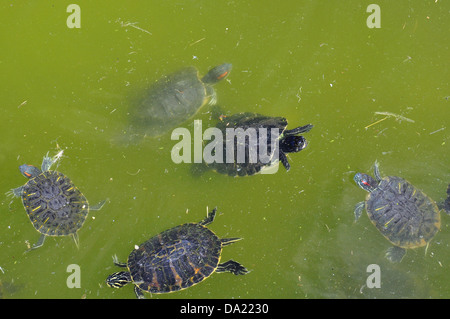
229, 241
38, 244
395, 254
99, 205
138, 293
209, 218
233, 267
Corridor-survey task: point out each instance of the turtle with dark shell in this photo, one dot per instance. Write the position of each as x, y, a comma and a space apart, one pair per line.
54, 205
252, 143
175, 259
405, 215
175, 98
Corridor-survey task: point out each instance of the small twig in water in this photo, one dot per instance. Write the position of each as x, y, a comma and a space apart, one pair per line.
22, 104
396, 116
196, 41
134, 173
441, 129
133, 25
390, 114
375, 122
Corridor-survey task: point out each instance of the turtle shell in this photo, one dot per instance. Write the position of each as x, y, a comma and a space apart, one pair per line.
54, 205
406, 216
172, 100
246, 121
175, 259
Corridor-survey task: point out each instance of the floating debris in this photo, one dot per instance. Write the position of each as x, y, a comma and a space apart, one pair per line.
396, 116
441, 129
191, 44
133, 25
22, 104
387, 115
376, 122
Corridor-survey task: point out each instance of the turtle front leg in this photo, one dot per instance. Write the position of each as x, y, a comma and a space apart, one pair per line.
358, 210
211, 93
284, 161
48, 161
16, 192
298, 130
118, 263
376, 171
233, 267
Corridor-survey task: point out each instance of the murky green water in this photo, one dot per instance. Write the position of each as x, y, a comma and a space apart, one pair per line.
310, 61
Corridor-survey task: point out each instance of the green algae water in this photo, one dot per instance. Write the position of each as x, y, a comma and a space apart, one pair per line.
372, 92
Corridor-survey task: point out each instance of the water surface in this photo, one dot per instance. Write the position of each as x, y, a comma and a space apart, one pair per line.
309, 61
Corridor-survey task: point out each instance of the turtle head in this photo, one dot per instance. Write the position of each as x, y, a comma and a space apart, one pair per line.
118, 279
293, 144
29, 171
217, 73
365, 181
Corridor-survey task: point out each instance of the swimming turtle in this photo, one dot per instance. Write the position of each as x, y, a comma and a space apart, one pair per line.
175, 98
175, 259
54, 205
405, 215
250, 143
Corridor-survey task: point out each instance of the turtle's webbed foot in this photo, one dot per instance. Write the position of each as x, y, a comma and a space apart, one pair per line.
233, 267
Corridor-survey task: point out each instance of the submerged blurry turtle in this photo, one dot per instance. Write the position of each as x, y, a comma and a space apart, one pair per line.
9, 288
175, 259
258, 143
175, 98
405, 215
446, 204
54, 205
